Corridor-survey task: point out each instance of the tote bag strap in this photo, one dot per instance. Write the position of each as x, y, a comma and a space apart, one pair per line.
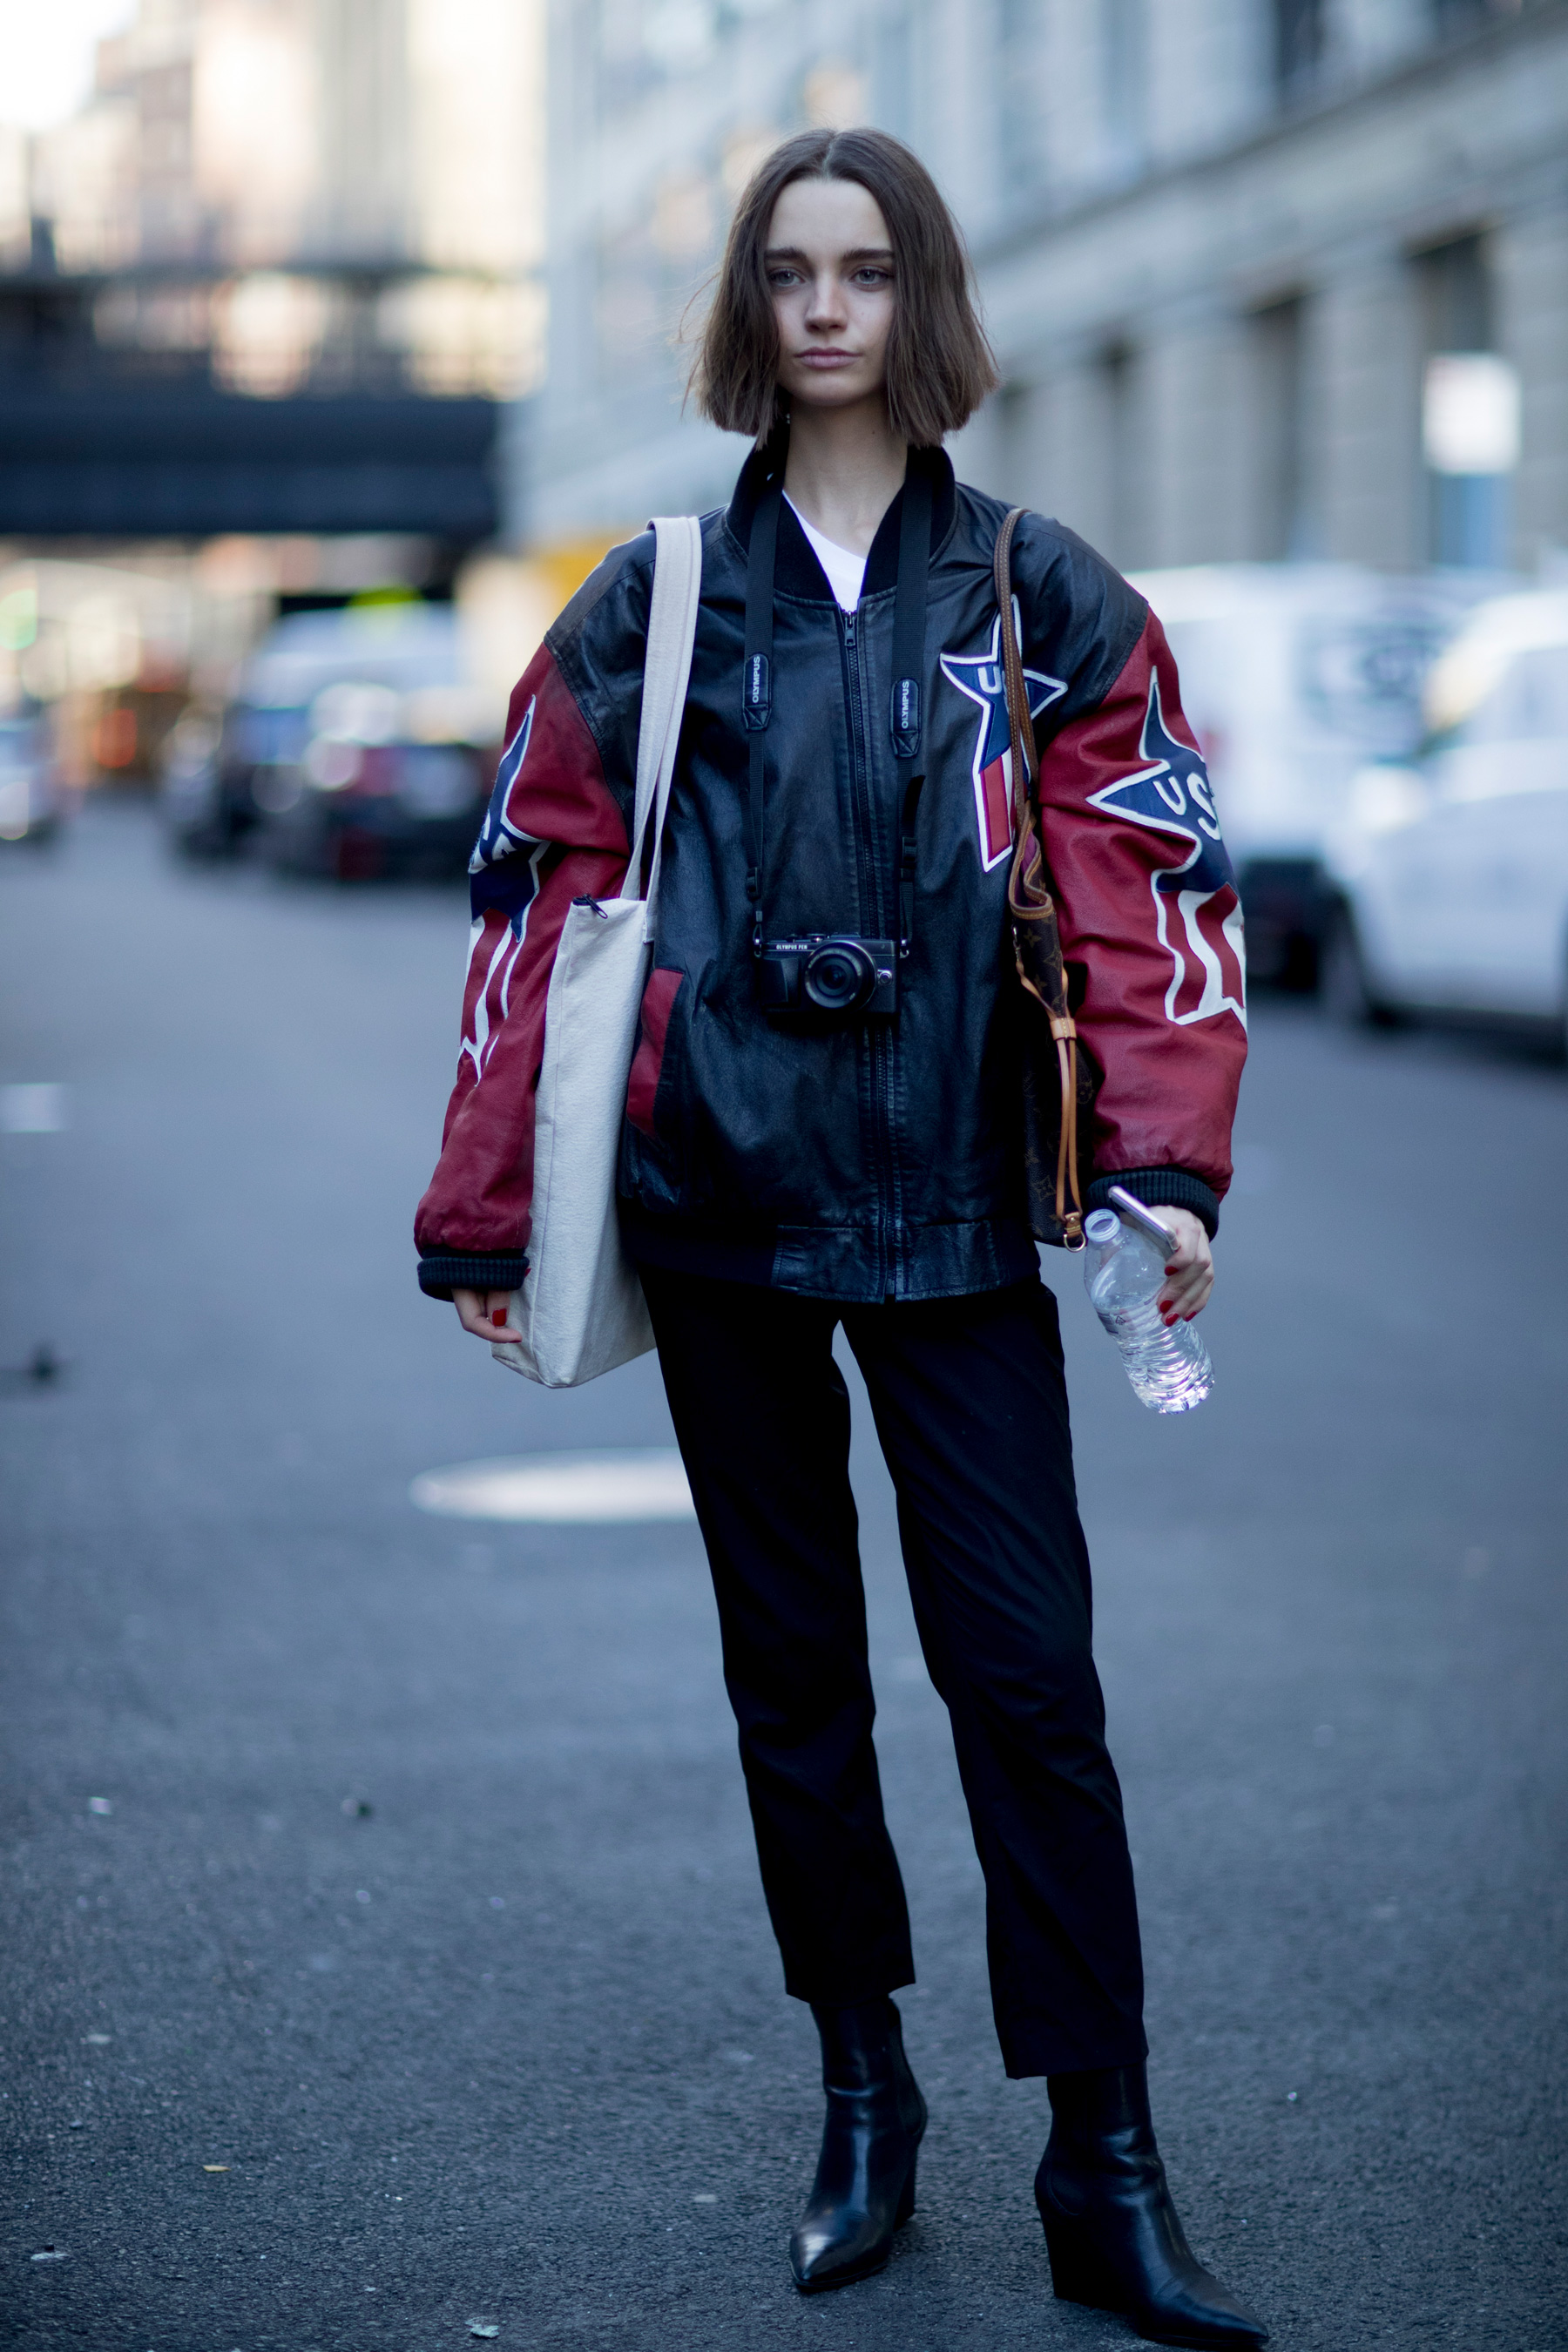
666, 667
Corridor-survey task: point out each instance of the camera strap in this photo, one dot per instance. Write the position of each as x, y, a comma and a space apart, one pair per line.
757, 680
905, 716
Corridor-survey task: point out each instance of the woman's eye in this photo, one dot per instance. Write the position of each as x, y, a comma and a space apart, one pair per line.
783, 277
873, 276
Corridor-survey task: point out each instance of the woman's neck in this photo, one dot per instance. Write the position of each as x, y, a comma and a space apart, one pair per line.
845, 469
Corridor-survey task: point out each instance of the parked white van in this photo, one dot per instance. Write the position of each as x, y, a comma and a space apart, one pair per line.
1293, 676
1451, 870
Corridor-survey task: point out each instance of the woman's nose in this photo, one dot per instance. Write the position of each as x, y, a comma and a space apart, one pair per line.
827, 307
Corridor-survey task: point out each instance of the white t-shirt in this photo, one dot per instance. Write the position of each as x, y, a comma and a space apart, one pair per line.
845, 573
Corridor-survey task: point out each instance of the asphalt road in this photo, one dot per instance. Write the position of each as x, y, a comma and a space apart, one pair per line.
511, 2044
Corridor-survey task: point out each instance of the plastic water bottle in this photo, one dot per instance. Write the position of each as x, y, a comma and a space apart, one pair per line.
1124, 1272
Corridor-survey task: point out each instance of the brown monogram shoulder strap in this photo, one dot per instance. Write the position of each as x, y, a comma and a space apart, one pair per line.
1031, 904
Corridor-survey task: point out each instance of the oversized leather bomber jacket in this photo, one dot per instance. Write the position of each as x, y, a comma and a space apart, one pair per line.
878, 1159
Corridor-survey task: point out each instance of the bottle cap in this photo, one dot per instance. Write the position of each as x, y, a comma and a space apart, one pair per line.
1101, 1226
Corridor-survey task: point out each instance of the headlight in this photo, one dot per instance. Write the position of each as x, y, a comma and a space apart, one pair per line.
333, 764
1385, 799
437, 779
275, 790
15, 804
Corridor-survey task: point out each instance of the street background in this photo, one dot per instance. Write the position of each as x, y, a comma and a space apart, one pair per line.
512, 2045
386, 1967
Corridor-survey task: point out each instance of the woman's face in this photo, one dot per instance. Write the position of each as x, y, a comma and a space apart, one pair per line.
829, 264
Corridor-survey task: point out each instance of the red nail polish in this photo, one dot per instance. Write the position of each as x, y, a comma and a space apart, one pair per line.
498, 1317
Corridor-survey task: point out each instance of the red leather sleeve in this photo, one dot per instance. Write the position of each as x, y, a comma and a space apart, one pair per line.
1150, 917
552, 832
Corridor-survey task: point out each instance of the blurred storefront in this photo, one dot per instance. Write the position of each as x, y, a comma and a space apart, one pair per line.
1267, 279
265, 299
115, 641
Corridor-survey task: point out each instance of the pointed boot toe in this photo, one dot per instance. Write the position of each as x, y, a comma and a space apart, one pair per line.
1181, 2304
1113, 2232
865, 2185
838, 2240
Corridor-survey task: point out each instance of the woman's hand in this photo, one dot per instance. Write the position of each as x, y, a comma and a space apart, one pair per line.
1189, 1271
488, 1313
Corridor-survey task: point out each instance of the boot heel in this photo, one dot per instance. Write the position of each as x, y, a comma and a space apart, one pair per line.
1078, 2273
907, 2201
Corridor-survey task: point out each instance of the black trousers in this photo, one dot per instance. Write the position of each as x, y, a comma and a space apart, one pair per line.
970, 1409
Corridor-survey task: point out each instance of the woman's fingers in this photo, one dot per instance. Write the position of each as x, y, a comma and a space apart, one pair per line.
502, 1331
1189, 1270
470, 1306
487, 1315
1186, 1295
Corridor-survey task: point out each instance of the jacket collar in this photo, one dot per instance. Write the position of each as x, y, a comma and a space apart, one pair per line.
798, 572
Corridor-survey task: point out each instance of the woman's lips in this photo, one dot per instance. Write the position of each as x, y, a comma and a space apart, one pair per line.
827, 358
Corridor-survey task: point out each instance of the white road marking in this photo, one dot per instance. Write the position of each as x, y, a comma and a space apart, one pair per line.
32, 1110
561, 1490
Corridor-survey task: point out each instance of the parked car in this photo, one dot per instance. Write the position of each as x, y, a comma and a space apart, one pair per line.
190, 785
356, 745
1293, 676
1450, 871
33, 800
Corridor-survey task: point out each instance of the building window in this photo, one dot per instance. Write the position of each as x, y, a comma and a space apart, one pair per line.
1014, 403
1022, 90
1469, 408
891, 45
1278, 378
1125, 522
1124, 81
1462, 15
1300, 38
619, 59
1457, 288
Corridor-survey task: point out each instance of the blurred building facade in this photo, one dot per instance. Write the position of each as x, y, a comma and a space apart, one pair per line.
267, 212
1219, 243
304, 184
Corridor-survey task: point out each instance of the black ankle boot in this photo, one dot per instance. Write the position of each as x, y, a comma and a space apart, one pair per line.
1110, 2228
865, 2186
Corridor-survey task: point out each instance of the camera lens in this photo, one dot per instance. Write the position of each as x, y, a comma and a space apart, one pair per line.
839, 976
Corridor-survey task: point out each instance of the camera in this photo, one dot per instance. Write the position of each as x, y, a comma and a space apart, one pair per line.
834, 973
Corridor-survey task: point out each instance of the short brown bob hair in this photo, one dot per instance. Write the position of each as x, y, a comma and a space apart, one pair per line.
939, 365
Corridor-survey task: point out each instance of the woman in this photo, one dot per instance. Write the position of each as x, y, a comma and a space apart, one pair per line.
815, 1139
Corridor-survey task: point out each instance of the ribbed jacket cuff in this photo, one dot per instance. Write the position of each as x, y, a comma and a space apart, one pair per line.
443, 1271
1161, 1188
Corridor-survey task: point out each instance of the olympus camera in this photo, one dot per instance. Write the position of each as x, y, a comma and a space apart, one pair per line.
834, 973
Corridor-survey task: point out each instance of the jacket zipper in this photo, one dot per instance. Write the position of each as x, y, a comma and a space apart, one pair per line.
881, 1043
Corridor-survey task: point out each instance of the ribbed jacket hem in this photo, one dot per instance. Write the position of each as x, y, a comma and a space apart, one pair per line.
850, 1264
1161, 1188
443, 1271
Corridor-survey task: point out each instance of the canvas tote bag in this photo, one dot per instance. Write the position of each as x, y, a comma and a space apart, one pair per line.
580, 1310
